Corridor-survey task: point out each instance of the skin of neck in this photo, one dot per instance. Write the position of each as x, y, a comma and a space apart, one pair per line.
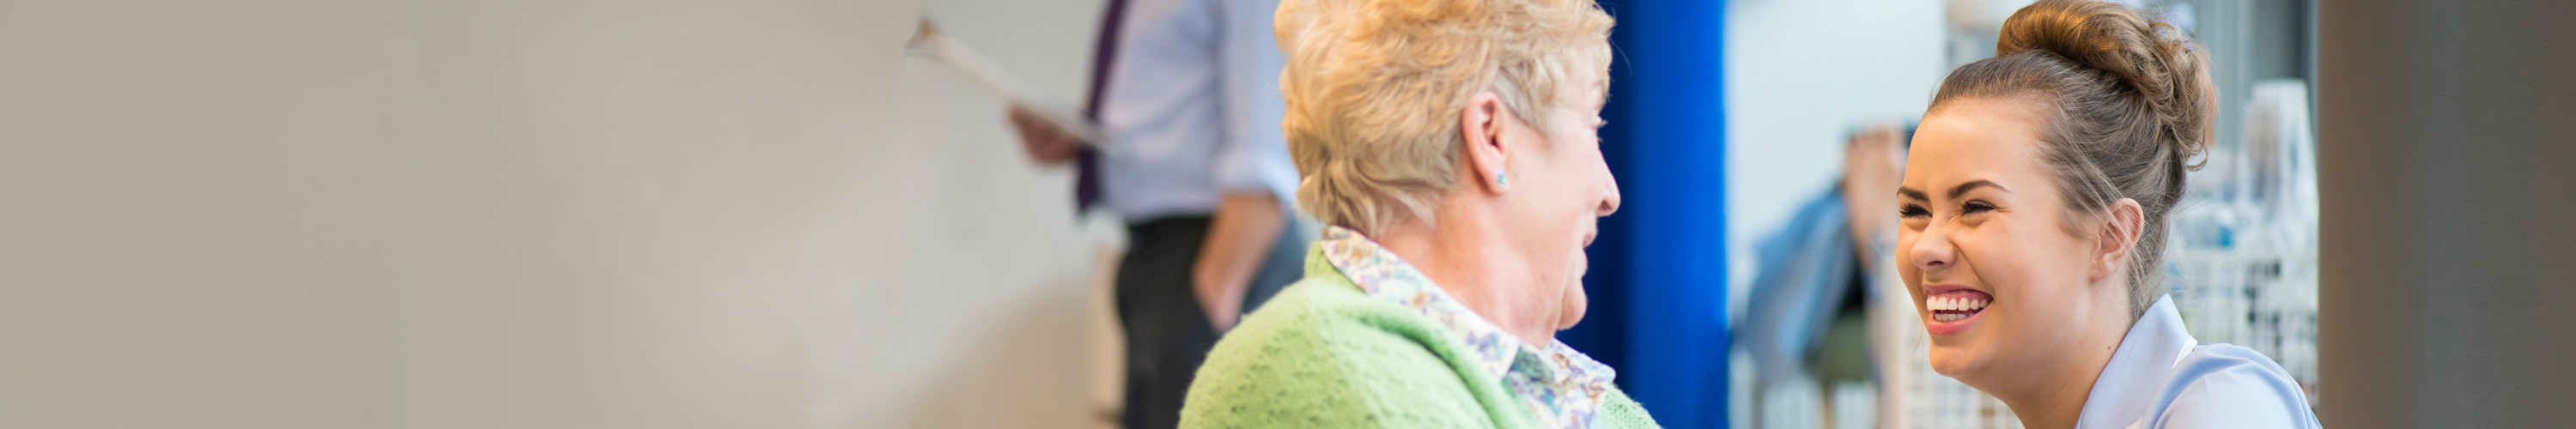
1467, 253
2053, 394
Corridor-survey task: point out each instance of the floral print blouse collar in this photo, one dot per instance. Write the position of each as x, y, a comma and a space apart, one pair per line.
1561, 386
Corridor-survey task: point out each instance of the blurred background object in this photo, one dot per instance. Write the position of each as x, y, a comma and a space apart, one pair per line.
2244, 267
2443, 238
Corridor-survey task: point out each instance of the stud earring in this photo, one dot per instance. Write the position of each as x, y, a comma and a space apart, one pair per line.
1501, 179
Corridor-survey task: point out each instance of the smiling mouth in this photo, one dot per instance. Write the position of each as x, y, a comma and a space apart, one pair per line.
1956, 305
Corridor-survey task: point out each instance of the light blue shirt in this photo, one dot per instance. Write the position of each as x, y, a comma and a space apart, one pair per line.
2160, 377
1193, 109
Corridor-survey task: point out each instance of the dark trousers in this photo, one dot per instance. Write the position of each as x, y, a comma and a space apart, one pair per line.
1167, 333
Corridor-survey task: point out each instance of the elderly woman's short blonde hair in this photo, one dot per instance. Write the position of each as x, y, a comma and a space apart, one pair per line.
1375, 87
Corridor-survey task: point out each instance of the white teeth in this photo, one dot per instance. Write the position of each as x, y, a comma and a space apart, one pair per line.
1943, 303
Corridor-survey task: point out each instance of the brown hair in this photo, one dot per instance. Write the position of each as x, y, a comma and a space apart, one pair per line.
2130, 108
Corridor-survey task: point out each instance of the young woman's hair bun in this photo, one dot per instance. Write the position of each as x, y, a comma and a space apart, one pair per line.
2151, 57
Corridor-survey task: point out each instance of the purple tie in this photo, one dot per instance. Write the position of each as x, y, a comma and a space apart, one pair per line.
1086, 182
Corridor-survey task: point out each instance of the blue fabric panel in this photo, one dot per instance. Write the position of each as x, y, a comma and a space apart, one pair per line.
1658, 281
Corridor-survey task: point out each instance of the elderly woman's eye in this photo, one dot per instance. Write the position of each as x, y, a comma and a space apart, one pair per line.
1911, 210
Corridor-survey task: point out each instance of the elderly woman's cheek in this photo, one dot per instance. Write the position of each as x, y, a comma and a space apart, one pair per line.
1574, 304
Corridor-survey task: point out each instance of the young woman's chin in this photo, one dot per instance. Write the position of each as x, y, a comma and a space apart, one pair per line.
1961, 358
1951, 361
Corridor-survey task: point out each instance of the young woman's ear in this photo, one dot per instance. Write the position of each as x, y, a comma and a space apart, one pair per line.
2119, 236
1480, 128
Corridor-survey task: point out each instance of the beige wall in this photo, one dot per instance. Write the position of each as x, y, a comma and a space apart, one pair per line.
496, 214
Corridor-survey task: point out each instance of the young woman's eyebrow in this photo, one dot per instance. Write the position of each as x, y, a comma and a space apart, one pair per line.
1963, 188
1955, 191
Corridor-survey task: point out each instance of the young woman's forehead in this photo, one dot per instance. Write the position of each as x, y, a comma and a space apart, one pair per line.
1960, 147
1979, 135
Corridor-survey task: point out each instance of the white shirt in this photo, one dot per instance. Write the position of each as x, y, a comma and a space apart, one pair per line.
2161, 377
1193, 109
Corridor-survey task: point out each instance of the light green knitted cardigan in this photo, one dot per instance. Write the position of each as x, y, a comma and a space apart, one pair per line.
1324, 354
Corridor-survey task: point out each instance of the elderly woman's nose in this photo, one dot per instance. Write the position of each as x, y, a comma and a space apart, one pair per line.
1932, 248
1610, 199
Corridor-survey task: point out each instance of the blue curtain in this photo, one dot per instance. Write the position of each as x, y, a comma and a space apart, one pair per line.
1658, 279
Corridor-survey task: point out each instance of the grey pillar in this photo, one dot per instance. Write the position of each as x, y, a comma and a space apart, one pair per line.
2447, 155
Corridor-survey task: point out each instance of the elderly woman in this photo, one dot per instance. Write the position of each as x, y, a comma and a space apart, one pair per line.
1452, 147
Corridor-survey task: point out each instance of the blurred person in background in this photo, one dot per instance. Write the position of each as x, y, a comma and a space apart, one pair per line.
2034, 209
1818, 275
1196, 167
1453, 148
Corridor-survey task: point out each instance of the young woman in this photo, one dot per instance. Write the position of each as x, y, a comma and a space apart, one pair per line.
2034, 211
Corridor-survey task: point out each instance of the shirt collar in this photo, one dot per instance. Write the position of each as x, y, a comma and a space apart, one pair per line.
1565, 385
2137, 369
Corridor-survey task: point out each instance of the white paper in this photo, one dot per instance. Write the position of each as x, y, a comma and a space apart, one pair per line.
928, 42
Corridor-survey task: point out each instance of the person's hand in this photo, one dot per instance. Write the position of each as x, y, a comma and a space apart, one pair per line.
1223, 309
1245, 229
1872, 168
1045, 143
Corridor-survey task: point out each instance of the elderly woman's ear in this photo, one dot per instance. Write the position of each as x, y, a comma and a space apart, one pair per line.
1481, 127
